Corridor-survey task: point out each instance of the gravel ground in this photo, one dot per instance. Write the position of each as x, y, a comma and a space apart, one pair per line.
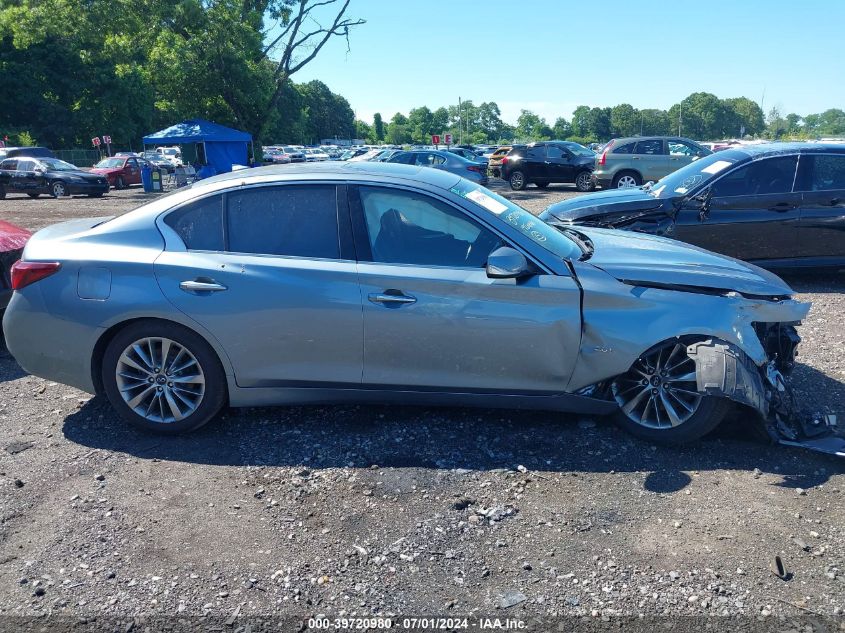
353, 510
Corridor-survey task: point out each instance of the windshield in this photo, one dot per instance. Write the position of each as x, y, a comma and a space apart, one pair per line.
528, 224
579, 150
170, 152
289, 150
110, 162
55, 164
689, 177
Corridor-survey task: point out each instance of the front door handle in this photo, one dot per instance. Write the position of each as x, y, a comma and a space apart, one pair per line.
782, 206
199, 285
391, 299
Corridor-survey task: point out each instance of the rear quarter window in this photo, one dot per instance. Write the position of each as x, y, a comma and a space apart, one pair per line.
627, 148
199, 224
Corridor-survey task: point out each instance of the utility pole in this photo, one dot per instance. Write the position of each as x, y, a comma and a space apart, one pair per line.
460, 122
642, 119
680, 115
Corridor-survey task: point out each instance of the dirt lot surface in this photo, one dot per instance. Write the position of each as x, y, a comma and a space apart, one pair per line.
375, 510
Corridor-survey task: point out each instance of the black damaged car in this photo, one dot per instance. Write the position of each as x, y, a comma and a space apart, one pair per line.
778, 205
34, 175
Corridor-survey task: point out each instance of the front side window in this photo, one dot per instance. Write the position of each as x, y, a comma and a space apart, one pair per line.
759, 177
290, 220
199, 224
653, 147
406, 227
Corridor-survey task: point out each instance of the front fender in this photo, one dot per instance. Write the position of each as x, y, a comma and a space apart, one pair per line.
621, 322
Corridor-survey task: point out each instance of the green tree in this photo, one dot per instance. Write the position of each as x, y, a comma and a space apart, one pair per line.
624, 120
532, 127
742, 112
561, 129
378, 127
581, 121
654, 122
701, 116
421, 124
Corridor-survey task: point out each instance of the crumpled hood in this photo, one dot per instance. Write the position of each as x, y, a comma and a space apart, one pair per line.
610, 204
651, 260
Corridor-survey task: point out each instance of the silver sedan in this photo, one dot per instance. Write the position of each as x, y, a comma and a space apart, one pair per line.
373, 282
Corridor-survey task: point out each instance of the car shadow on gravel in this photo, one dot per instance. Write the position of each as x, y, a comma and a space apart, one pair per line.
317, 437
9, 369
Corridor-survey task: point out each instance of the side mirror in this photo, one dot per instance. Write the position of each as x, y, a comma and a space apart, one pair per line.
507, 263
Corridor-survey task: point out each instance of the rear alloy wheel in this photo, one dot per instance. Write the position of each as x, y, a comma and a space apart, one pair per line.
542, 184
518, 181
119, 183
584, 181
58, 189
659, 399
627, 180
163, 377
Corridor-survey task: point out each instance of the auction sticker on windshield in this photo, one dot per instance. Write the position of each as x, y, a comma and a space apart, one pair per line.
481, 198
716, 167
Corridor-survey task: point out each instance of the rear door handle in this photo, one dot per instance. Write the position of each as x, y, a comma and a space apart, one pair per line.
782, 206
388, 299
198, 285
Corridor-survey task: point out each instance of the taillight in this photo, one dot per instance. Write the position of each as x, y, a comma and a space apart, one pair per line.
603, 158
26, 273
504, 160
474, 168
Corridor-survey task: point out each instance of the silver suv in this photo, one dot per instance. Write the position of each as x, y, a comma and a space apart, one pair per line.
629, 162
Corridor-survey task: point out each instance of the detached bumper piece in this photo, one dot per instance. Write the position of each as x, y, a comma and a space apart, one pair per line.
725, 371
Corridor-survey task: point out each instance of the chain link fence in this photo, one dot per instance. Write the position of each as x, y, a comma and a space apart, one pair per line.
78, 157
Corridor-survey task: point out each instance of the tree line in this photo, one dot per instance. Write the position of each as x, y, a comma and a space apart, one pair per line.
75, 69
701, 115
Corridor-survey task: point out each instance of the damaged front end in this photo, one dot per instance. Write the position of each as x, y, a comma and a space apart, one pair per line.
724, 370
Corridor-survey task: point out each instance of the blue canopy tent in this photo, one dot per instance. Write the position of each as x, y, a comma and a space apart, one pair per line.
222, 146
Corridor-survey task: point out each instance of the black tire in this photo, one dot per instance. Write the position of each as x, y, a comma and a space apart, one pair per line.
58, 189
518, 181
710, 414
584, 181
622, 174
2, 192
120, 183
33, 195
661, 384
215, 387
542, 184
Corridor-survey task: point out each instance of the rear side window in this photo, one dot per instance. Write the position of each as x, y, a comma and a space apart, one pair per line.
627, 148
538, 152
821, 172
652, 147
294, 220
199, 224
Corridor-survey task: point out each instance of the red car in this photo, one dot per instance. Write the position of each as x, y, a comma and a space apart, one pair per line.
12, 240
121, 171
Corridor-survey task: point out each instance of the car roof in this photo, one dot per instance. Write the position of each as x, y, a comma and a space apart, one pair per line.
338, 171
766, 149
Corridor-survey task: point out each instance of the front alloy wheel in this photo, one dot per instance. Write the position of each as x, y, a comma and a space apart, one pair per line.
659, 400
584, 181
517, 181
58, 189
